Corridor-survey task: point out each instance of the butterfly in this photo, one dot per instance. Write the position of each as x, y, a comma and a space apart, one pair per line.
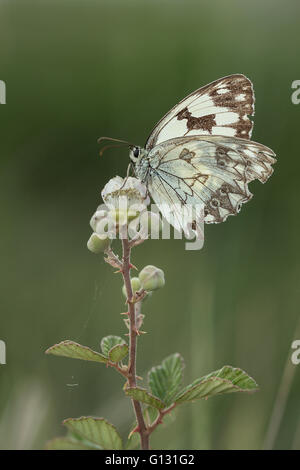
200, 153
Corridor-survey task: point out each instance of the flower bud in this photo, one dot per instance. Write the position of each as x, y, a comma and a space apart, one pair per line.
135, 285
96, 244
152, 278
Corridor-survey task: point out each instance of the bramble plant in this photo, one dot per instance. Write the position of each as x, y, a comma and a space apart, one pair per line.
126, 207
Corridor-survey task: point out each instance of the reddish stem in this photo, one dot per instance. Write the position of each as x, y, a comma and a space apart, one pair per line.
160, 417
131, 373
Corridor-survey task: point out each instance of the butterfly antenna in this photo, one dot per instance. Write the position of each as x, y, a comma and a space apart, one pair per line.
122, 142
109, 146
114, 140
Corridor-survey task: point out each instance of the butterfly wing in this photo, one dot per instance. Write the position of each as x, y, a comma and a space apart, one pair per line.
219, 108
212, 171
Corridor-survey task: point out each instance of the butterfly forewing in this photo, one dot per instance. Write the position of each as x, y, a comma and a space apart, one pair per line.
220, 108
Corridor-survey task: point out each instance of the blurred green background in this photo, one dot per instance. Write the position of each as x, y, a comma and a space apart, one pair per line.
78, 70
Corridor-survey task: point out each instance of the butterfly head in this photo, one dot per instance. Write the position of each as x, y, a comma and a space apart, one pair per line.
140, 158
136, 154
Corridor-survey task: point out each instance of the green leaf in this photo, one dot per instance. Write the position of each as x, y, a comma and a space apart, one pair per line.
65, 443
96, 430
133, 441
118, 352
236, 376
109, 342
226, 380
150, 415
142, 395
76, 351
165, 380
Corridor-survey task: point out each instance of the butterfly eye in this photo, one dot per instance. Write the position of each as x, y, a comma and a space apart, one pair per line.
136, 152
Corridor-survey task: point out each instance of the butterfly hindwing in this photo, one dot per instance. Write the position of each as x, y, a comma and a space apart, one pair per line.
219, 108
210, 170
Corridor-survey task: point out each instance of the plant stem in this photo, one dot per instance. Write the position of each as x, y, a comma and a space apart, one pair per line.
142, 429
160, 417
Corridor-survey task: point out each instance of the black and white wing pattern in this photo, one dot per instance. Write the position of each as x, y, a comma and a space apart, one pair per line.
222, 107
210, 170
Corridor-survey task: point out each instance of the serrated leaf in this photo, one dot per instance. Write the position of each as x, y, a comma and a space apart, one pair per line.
96, 430
64, 443
165, 380
109, 342
225, 380
75, 351
118, 352
142, 395
235, 375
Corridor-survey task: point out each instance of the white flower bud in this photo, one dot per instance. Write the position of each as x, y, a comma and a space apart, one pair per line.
98, 244
152, 278
135, 285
